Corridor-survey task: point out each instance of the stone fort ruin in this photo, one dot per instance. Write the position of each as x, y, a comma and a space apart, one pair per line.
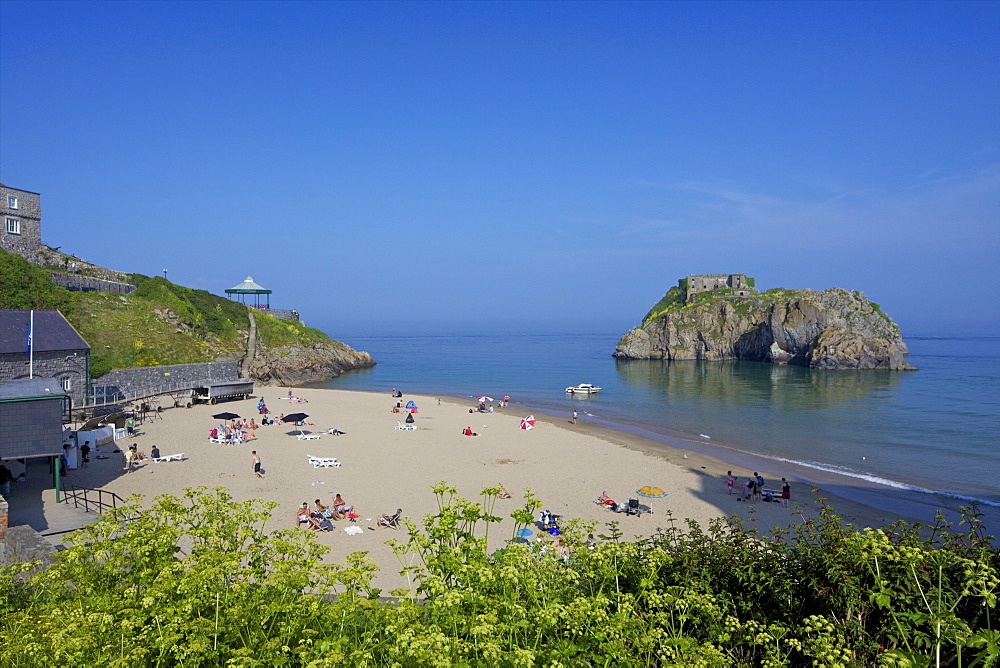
737, 285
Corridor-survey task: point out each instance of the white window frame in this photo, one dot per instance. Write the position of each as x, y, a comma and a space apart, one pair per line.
13, 226
11, 202
67, 383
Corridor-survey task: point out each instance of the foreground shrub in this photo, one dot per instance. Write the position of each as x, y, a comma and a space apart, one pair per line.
196, 581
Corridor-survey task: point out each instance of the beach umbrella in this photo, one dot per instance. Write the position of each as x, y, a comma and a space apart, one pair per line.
528, 422
651, 493
226, 416
483, 399
294, 417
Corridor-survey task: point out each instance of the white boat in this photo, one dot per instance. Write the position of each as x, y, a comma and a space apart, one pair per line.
583, 388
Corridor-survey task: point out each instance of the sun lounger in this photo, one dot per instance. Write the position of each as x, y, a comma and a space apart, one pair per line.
323, 462
218, 439
402, 426
170, 458
307, 437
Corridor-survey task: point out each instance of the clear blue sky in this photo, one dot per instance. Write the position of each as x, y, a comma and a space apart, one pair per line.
391, 167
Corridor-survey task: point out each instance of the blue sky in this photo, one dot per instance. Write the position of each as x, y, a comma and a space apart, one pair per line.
396, 167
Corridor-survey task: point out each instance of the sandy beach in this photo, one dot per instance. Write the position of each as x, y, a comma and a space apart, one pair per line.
382, 468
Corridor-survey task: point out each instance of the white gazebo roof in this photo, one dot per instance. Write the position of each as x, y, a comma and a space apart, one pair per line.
249, 287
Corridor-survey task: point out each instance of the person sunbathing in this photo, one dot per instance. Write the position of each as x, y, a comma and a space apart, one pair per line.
303, 516
390, 520
341, 506
324, 511
504, 494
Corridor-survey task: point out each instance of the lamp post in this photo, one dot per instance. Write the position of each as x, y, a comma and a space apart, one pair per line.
164, 274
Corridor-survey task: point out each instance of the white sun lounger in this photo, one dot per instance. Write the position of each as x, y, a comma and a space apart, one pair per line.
307, 437
403, 426
323, 462
170, 458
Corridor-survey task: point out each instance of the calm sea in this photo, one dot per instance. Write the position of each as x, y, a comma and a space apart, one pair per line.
932, 431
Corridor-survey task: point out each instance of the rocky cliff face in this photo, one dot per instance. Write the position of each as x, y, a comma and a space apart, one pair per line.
298, 365
828, 329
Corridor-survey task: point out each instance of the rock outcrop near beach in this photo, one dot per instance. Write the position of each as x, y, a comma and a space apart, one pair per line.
302, 364
828, 329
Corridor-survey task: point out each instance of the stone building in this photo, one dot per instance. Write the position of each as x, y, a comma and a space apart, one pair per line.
739, 284
22, 222
58, 352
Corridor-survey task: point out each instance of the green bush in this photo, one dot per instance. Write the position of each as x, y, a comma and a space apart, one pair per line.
126, 594
25, 286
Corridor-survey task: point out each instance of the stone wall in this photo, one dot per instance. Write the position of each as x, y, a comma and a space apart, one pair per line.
28, 215
89, 284
59, 366
71, 264
127, 384
281, 315
22, 544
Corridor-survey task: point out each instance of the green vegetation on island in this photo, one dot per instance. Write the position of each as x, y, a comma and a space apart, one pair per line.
126, 594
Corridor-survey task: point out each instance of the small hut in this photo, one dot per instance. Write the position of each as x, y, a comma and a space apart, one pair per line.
248, 287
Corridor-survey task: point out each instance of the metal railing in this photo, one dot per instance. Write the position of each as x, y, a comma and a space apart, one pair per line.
102, 395
82, 497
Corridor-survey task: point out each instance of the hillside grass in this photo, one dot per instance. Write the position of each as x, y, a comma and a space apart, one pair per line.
160, 323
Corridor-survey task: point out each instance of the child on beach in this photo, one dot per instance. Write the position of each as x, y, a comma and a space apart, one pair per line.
730, 481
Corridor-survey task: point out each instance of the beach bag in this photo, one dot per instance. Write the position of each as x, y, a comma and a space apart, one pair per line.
409, 418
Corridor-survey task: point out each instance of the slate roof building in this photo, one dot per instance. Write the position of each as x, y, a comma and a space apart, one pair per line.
32, 413
58, 352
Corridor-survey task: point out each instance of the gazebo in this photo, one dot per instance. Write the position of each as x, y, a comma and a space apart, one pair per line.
248, 287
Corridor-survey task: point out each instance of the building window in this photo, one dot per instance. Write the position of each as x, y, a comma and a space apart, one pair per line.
13, 226
11, 202
67, 384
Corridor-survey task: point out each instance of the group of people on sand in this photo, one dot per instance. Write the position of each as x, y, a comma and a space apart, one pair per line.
753, 490
234, 434
321, 517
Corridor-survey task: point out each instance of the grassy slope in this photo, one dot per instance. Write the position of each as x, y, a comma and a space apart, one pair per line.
160, 323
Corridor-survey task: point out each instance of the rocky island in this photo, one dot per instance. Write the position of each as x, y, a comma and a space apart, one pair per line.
724, 317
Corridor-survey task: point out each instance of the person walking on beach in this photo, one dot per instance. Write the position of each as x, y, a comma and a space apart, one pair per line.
758, 488
730, 482
574, 417
85, 454
786, 493
256, 464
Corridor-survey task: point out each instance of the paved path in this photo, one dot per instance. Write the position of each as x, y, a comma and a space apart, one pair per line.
33, 502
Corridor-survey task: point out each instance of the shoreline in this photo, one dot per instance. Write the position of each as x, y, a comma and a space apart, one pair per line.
566, 466
851, 497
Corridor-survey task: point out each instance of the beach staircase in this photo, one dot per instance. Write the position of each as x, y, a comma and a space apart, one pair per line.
251, 340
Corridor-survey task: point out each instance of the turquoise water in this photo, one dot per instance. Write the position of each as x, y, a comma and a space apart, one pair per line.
929, 431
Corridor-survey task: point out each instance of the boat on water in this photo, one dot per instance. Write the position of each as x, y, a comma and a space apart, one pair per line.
583, 388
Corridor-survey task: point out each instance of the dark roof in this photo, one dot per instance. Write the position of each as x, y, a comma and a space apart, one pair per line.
29, 388
30, 192
52, 332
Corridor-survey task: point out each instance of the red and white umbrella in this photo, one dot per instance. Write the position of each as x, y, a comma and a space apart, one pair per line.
528, 422
484, 399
